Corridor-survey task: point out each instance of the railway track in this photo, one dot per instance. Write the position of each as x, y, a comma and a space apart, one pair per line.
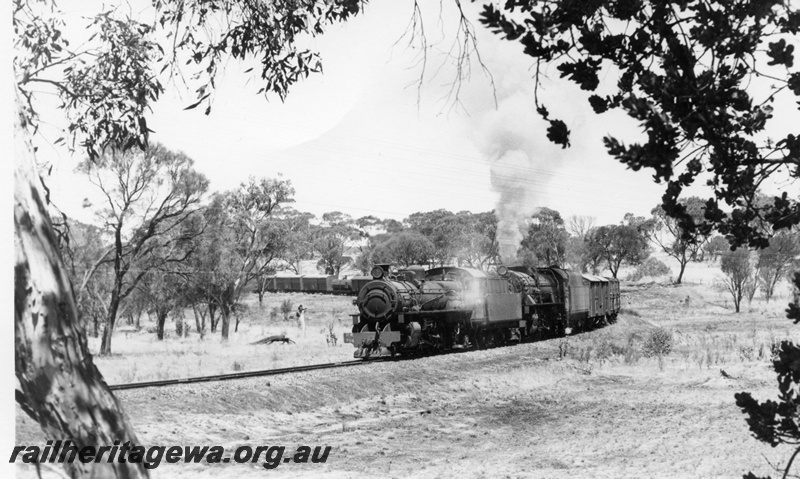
240, 375
279, 371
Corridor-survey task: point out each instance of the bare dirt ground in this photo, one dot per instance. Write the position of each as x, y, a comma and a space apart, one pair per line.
590, 406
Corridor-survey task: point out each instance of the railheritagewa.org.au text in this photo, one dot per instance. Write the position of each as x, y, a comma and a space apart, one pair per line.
153, 456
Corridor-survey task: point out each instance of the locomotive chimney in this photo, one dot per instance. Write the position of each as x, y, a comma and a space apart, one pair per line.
418, 271
380, 270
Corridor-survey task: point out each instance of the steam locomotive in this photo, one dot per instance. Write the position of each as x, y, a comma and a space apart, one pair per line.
415, 310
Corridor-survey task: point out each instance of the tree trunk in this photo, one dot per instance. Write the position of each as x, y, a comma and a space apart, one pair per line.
105, 345
161, 320
262, 286
199, 321
58, 384
212, 316
683, 268
613, 265
225, 313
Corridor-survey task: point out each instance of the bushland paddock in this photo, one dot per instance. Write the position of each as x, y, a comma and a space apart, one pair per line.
697, 319
140, 356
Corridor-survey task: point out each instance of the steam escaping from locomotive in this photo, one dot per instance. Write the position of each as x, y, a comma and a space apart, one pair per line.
513, 168
512, 137
514, 143
515, 204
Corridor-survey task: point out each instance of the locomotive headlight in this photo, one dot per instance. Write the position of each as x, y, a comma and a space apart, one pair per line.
377, 272
502, 270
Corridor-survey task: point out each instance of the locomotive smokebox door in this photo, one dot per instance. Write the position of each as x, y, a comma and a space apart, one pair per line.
379, 302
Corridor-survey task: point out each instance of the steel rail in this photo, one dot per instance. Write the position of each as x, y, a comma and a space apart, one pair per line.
240, 375
279, 371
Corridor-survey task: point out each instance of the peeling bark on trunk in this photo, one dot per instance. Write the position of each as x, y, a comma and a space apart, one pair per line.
59, 386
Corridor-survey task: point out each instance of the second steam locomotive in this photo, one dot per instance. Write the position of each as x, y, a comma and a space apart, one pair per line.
415, 310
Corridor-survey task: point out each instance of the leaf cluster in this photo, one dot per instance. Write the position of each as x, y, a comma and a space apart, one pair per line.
683, 70
107, 83
618, 244
546, 241
778, 422
250, 29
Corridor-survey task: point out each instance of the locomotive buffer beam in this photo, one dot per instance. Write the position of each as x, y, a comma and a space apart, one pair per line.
372, 343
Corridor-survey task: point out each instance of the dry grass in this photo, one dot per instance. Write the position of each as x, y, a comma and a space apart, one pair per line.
142, 357
705, 334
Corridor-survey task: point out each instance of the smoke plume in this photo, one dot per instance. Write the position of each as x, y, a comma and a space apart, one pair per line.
514, 141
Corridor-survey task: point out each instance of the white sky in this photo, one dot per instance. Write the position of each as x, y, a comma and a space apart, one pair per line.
358, 139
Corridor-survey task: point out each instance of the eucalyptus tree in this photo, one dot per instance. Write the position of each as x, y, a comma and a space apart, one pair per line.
242, 240
443, 228
333, 239
147, 197
299, 237
618, 244
579, 225
404, 249
577, 253
777, 260
738, 272
104, 72
546, 240
85, 251
477, 241
715, 246
674, 239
